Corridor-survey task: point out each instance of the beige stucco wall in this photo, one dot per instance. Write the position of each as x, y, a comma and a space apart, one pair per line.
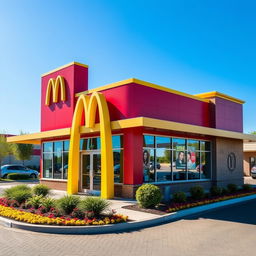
221, 149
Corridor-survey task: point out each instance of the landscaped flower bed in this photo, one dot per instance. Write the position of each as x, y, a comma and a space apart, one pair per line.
149, 201
22, 203
34, 218
174, 207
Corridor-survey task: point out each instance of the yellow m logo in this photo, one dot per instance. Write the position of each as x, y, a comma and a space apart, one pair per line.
53, 87
87, 105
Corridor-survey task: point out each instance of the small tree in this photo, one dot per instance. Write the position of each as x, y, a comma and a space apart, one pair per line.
4, 148
22, 152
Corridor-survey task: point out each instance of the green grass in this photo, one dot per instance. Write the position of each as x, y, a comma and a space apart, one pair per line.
1, 179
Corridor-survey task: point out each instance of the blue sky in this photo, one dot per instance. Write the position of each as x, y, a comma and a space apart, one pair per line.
191, 46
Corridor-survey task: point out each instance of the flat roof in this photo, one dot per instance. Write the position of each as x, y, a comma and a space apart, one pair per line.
144, 83
209, 95
36, 138
64, 66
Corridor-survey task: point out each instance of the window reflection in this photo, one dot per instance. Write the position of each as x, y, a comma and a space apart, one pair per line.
149, 141
149, 165
175, 159
163, 164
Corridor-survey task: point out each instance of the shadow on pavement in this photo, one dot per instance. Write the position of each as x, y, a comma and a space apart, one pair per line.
241, 213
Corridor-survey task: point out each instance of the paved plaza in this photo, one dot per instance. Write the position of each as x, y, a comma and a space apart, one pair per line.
228, 231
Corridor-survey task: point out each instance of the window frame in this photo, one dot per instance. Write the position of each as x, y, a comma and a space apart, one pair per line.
172, 157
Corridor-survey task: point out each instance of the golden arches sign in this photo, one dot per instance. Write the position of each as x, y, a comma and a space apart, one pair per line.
53, 87
87, 105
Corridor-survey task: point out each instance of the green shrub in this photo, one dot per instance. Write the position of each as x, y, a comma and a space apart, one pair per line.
216, 191
48, 203
94, 205
197, 192
232, 188
224, 191
20, 193
35, 201
77, 213
148, 195
18, 176
41, 189
68, 203
247, 187
179, 197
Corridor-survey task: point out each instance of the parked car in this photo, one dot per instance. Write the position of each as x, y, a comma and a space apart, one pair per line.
253, 172
158, 166
15, 168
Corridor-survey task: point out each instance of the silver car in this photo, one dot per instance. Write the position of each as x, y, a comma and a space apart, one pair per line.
15, 168
253, 172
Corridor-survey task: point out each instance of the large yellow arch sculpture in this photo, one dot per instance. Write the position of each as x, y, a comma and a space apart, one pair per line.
53, 89
88, 105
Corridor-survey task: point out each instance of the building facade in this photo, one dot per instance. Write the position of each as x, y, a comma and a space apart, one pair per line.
112, 139
33, 162
249, 157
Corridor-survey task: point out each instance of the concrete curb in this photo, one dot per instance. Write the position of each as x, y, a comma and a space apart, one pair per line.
122, 227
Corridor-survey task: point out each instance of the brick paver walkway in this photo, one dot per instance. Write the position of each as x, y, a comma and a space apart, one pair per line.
225, 232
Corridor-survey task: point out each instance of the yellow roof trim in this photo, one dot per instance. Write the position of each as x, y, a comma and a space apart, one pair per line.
144, 83
30, 138
136, 122
64, 66
208, 95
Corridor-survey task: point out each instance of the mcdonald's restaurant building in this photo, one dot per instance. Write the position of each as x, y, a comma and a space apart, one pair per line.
109, 140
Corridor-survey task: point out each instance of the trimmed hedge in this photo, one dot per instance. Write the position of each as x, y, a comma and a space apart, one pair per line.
197, 192
148, 195
18, 176
41, 190
232, 188
19, 193
179, 197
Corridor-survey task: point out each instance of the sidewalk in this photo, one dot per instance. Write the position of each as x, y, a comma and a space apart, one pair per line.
137, 220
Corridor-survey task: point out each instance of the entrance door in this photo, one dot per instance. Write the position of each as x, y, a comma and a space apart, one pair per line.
91, 172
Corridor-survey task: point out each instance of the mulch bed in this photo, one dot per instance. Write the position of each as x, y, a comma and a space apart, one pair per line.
160, 210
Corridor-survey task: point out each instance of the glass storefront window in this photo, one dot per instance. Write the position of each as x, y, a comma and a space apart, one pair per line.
174, 159
55, 156
57, 146
84, 144
47, 165
65, 165
193, 145
48, 147
205, 167
53, 160
179, 165
90, 144
117, 141
66, 145
163, 164
94, 143
179, 144
57, 165
118, 166
205, 145
148, 165
193, 163
149, 141
163, 142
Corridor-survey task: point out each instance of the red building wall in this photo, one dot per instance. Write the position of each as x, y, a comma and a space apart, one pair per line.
59, 115
228, 115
